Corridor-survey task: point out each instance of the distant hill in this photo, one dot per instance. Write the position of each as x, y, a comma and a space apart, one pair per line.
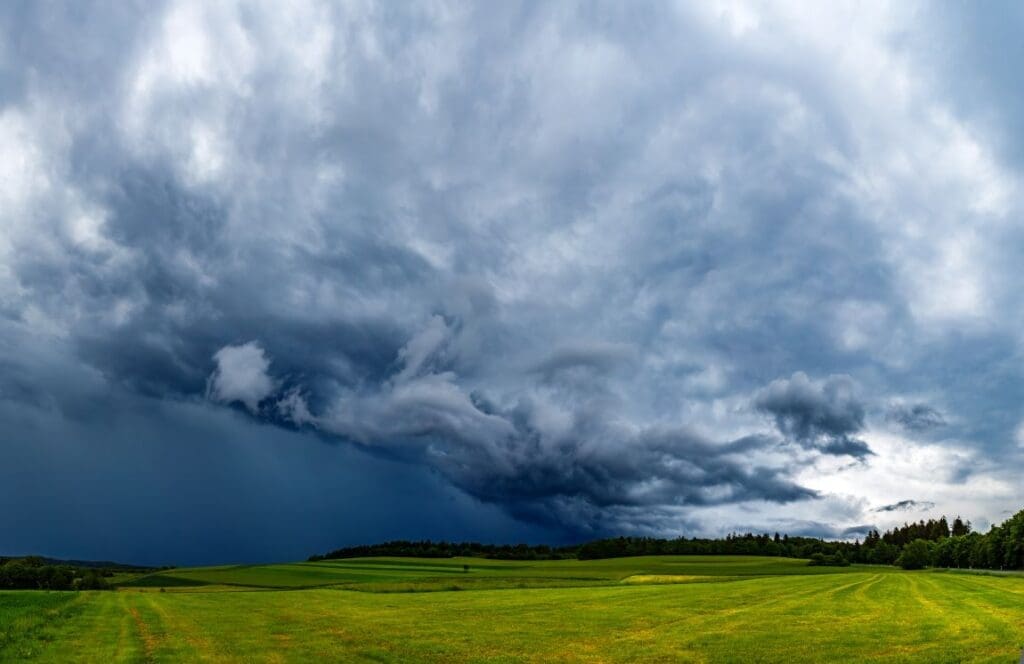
92, 564
39, 573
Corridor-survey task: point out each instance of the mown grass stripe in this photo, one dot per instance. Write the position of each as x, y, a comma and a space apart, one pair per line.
768, 614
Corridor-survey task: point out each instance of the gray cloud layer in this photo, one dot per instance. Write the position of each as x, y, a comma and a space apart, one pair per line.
649, 268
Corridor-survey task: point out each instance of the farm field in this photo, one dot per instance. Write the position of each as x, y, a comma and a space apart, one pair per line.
687, 609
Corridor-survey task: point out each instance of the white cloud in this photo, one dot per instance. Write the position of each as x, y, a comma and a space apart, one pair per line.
293, 407
241, 376
415, 354
953, 476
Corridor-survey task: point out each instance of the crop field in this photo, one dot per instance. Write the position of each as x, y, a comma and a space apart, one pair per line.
671, 609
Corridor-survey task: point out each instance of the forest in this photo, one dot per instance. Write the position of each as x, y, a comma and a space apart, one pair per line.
36, 573
926, 543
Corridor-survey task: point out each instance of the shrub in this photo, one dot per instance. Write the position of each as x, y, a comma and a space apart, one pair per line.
916, 555
824, 560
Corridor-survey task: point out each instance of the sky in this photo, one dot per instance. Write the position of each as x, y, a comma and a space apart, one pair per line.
276, 280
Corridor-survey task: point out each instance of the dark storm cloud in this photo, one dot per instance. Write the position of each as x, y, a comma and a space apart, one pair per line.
822, 415
544, 253
906, 506
104, 473
550, 466
372, 339
916, 417
178, 483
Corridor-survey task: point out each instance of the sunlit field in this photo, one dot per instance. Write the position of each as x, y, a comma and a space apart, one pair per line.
689, 609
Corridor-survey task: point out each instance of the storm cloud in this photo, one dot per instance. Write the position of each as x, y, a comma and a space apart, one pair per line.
569, 268
906, 506
555, 459
916, 417
823, 415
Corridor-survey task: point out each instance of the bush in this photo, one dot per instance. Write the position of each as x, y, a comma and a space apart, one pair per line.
33, 574
916, 555
823, 560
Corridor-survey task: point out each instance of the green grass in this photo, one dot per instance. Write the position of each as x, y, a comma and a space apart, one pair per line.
685, 609
405, 574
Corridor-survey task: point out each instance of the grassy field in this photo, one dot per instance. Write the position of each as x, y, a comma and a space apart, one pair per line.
682, 609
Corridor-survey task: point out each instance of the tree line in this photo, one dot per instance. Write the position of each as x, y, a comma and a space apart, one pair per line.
932, 542
431, 549
35, 573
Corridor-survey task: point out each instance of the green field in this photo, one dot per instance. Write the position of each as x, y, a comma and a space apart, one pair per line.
671, 609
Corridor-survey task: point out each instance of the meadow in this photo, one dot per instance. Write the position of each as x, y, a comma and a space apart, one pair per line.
671, 609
